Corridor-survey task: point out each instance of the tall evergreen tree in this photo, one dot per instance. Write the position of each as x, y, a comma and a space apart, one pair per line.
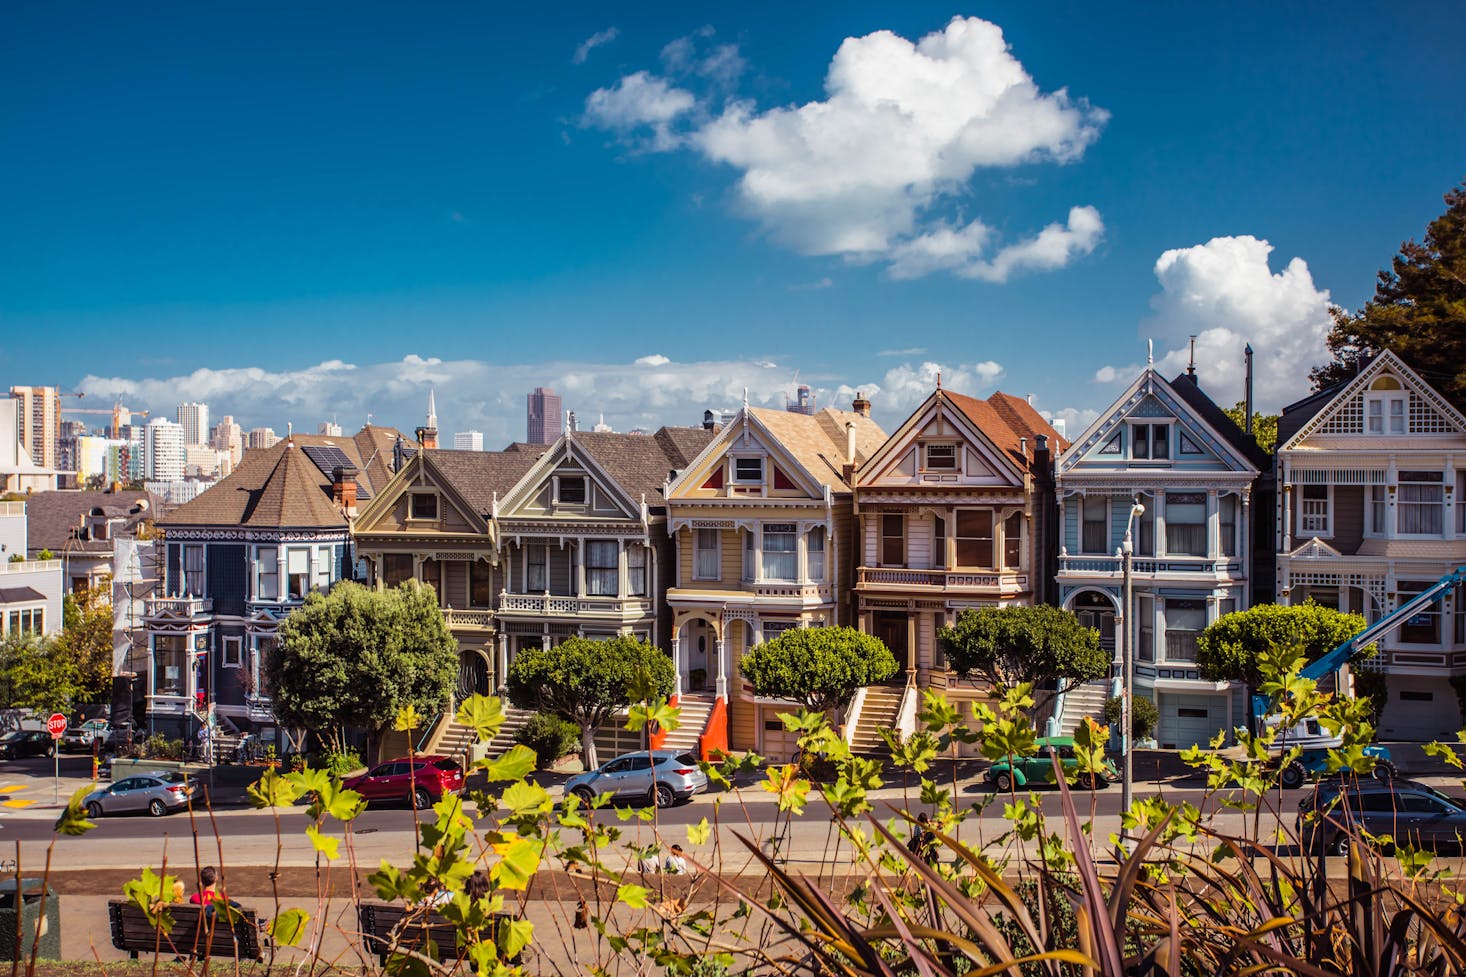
1418, 310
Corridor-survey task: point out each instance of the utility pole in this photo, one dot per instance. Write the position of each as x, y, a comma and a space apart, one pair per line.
1127, 661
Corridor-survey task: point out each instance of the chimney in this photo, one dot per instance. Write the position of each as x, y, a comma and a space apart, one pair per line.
1247, 388
1041, 452
707, 420
861, 406
343, 487
850, 443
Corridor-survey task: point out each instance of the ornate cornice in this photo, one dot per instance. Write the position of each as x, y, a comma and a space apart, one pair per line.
220, 535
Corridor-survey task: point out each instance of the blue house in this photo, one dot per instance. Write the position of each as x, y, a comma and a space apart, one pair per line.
1166, 445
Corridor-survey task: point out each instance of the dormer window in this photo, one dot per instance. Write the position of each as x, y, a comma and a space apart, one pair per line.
424, 505
1150, 441
748, 470
941, 457
570, 490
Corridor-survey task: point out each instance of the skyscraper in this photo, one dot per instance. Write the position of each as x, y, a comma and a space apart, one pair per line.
330, 429
468, 441
163, 451
545, 423
261, 437
195, 421
228, 437
39, 416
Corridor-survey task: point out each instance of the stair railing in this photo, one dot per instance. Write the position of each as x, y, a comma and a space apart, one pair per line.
852, 716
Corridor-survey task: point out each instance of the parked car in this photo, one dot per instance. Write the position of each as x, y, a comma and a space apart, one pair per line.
1407, 811
660, 777
421, 780
1039, 769
158, 793
80, 738
26, 742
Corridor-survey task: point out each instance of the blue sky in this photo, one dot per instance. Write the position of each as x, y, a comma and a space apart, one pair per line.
298, 211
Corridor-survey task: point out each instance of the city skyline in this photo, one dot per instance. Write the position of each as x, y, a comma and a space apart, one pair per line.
680, 229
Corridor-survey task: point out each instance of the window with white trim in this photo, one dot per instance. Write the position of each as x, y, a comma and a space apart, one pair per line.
536, 568
570, 490
772, 629
193, 569
974, 539
233, 651
1150, 441
1186, 524
267, 573
780, 551
1314, 510
707, 554
1227, 524
1013, 541
321, 570
636, 570
748, 470
750, 554
1379, 511
1420, 506
602, 568
1094, 519
893, 539
940, 456
1385, 413
815, 553
298, 570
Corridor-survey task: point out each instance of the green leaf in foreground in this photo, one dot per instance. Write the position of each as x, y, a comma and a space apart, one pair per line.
288, 927
73, 819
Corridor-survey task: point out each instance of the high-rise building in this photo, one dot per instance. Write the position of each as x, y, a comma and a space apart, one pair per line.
163, 450
545, 423
228, 438
39, 415
194, 419
468, 441
261, 437
330, 429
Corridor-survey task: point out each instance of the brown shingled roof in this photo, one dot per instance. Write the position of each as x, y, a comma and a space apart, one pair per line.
818, 440
641, 463
51, 518
479, 475
1010, 423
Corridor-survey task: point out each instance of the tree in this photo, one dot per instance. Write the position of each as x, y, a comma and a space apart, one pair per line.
355, 657
1264, 426
1042, 645
86, 639
820, 668
1418, 310
587, 681
1227, 650
36, 675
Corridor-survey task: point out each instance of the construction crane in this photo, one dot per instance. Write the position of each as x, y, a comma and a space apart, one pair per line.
117, 410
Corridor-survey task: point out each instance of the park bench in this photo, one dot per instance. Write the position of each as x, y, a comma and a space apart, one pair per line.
380, 932
195, 933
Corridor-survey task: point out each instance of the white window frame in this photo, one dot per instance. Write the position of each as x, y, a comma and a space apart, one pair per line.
1150, 441
769, 630
202, 571
562, 480
1085, 501
814, 554
608, 575
236, 643
530, 548
743, 479
790, 530
322, 569
305, 588
1381, 406
26, 618
273, 563
699, 551
955, 458
1327, 530
1402, 505
636, 583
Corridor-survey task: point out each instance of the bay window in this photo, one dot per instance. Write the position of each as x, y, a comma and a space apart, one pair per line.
1186, 524
1145, 527
750, 554
815, 553
1420, 506
1227, 524
298, 570
781, 556
193, 569
1013, 541
636, 570
975, 538
1379, 512
602, 569
170, 653
706, 554
267, 573
1094, 529
322, 572
1185, 619
893, 539
536, 563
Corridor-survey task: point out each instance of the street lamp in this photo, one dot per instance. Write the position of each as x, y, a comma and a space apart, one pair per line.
1127, 661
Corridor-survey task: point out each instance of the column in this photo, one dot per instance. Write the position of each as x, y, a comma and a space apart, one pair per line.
913, 653
577, 556
720, 684
1213, 526
282, 573
677, 657
621, 569
1160, 523
503, 676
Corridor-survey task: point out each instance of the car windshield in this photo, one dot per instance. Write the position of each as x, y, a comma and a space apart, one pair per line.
10, 737
169, 776
450, 766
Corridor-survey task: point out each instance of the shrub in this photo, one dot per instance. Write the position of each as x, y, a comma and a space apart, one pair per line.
1144, 716
157, 746
340, 762
549, 736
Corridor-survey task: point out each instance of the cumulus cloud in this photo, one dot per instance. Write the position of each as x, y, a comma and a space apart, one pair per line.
489, 397
591, 43
1225, 294
866, 172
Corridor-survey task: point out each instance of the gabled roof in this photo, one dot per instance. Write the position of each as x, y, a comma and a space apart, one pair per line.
1010, 423
480, 476
280, 487
642, 464
818, 441
1246, 445
58, 520
1318, 417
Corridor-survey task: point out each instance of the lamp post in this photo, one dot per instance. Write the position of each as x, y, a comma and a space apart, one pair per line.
1127, 661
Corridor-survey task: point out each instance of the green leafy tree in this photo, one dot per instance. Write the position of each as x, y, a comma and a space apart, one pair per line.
1041, 645
1228, 650
86, 639
1418, 310
1264, 426
37, 675
587, 681
355, 657
820, 668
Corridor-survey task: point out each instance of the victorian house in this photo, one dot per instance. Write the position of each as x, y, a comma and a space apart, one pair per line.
760, 523
954, 511
1372, 510
1166, 446
238, 559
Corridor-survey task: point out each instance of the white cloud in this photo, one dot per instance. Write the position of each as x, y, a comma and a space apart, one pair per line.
909, 351
489, 397
641, 100
722, 64
1226, 295
591, 43
902, 131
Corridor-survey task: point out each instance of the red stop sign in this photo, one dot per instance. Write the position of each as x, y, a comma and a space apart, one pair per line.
56, 725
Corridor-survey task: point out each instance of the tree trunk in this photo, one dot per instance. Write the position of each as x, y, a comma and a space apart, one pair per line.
588, 747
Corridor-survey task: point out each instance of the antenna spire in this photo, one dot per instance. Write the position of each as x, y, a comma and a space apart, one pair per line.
1150, 352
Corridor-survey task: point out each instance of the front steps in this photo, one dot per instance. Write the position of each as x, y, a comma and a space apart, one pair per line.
880, 710
1084, 700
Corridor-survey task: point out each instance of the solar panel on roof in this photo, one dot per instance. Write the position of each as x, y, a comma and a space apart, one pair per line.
328, 457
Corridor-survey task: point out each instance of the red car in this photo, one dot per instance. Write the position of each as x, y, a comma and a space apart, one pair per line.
421, 780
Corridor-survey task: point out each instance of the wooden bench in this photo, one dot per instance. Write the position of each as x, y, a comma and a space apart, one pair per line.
382, 930
195, 933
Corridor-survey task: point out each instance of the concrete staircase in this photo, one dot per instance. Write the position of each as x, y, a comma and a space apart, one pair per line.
455, 738
882, 706
1084, 700
695, 712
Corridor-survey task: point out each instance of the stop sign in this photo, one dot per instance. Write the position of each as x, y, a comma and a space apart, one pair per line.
56, 725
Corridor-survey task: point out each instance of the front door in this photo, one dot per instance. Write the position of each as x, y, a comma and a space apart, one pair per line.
473, 675
891, 628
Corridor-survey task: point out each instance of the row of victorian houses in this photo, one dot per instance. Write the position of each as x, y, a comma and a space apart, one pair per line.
708, 540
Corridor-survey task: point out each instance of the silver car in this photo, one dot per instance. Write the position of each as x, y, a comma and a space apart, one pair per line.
660, 777
159, 792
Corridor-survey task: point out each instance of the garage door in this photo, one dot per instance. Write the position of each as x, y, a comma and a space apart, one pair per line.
778, 745
1190, 720
1419, 709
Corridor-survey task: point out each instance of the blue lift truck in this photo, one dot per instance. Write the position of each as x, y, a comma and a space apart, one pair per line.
1316, 741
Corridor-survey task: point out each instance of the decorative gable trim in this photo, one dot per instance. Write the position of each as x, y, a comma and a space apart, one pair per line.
890, 455
1339, 416
565, 450
408, 478
1315, 549
745, 435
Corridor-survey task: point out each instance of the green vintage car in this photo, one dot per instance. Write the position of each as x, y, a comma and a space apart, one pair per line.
1023, 771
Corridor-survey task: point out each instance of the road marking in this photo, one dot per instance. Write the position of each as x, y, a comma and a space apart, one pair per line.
12, 788
17, 802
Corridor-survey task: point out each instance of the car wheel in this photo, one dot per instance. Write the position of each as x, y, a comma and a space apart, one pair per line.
1291, 776
1003, 781
1339, 844
1385, 770
663, 796
50, 751
1088, 781
585, 794
421, 799
94, 810
157, 808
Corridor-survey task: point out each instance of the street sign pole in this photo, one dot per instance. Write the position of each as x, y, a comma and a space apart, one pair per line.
56, 726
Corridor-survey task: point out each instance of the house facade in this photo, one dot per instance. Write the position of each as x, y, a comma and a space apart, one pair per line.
954, 511
80, 527
30, 590
237, 560
760, 525
1372, 509
1166, 445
